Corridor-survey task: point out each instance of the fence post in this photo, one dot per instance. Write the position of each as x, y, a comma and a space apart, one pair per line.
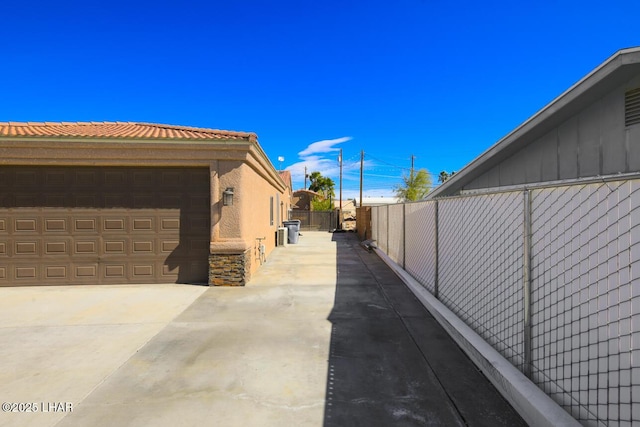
387, 249
404, 236
437, 249
526, 253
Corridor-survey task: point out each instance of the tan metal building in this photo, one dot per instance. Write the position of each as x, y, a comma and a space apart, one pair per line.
119, 202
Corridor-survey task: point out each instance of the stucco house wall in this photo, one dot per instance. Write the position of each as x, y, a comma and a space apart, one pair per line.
233, 159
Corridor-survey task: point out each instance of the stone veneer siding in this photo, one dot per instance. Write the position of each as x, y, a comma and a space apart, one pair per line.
229, 269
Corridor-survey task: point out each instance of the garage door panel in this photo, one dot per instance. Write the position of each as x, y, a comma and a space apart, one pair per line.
115, 246
115, 271
173, 179
57, 178
26, 247
58, 247
27, 224
198, 203
26, 273
85, 224
171, 201
27, 178
144, 201
115, 178
141, 270
87, 200
80, 225
143, 225
169, 224
56, 225
87, 272
56, 273
197, 246
144, 178
142, 247
169, 246
114, 224
87, 178
116, 199
57, 200
86, 247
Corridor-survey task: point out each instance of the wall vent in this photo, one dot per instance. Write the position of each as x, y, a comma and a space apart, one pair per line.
632, 107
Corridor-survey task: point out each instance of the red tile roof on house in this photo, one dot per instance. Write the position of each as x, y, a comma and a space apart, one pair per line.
286, 177
124, 130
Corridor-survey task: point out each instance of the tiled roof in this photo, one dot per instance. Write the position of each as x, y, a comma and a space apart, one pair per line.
286, 177
116, 130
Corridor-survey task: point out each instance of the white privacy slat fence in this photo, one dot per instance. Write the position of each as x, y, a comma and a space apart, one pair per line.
570, 254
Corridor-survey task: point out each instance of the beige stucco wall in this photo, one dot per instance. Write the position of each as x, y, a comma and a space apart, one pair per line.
236, 229
242, 165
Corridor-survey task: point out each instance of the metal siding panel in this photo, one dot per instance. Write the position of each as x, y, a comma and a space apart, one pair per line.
549, 162
512, 171
568, 149
614, 152
589, 141
632, 136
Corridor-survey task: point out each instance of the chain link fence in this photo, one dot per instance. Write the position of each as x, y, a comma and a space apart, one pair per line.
316, 220
570, 254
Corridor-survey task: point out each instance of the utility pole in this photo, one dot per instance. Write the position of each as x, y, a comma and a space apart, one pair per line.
361, 169
305, 177
340, 211
412, 160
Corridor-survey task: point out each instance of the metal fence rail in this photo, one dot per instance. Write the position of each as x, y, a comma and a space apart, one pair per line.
316, 220
549, 277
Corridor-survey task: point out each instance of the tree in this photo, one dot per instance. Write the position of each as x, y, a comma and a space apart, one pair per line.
444, 175
321, 184
321, 204
414, 187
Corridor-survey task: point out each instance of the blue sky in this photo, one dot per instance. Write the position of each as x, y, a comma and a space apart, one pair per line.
438, 80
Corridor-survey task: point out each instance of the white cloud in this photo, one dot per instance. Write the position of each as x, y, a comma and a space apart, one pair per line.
319, 156
325, 146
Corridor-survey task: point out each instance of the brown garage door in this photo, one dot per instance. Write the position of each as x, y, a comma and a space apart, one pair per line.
90, 225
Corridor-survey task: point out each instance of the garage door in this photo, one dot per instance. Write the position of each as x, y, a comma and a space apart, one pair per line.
88, 225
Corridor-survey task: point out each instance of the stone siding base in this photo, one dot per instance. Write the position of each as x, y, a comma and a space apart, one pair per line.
229, 269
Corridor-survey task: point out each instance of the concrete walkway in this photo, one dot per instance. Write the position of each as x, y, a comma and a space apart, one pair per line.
323, 335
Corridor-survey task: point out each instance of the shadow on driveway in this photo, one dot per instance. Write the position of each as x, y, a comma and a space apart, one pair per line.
390, 362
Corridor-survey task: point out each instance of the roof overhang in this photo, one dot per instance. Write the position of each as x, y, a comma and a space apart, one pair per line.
621, 67
66, 150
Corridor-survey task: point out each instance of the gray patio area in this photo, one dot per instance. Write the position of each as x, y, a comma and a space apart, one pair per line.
325, 334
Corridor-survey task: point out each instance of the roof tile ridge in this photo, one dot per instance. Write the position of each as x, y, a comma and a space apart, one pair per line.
194, 128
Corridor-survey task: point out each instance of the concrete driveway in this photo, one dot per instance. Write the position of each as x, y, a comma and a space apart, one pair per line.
324, 334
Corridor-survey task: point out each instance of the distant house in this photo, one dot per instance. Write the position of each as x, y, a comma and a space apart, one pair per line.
302, 199
119, 202
376, 201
